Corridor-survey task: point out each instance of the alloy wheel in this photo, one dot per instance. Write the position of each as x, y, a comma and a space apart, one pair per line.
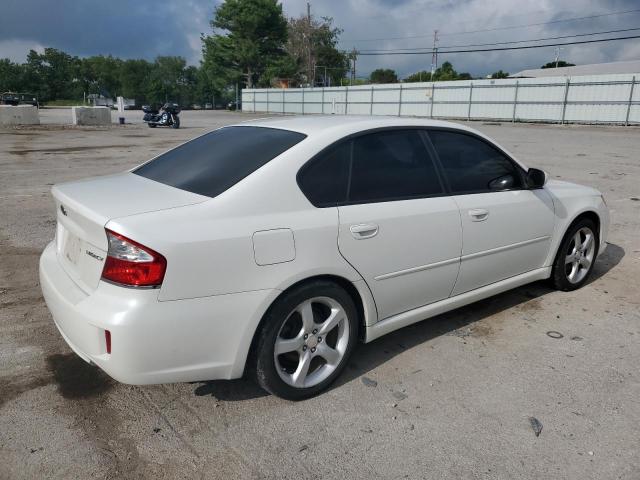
579, 256
311, 342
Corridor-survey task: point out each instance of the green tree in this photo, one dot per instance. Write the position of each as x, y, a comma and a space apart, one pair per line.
422, 76
250, 36
134, 79
11, 76
383, 75
445, 72
101, 75
499, 74
559, 63
54, 74
313, 45
166, 79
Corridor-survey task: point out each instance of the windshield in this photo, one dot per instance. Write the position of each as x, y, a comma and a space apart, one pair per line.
214, 162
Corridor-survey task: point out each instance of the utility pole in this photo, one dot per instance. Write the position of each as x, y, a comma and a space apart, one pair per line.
558, 54
354, 56
434, 55
310, 66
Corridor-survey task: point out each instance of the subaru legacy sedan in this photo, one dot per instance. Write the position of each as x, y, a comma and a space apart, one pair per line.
271, 247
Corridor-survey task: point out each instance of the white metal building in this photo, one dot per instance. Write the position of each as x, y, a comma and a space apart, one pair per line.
610, 68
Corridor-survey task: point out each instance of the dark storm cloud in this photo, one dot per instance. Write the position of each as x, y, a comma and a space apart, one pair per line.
129, 29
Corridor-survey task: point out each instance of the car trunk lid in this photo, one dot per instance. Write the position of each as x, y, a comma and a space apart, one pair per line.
84, 208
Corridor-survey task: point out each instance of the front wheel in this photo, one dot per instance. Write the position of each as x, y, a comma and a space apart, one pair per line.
176, 121
576, 256
306, 340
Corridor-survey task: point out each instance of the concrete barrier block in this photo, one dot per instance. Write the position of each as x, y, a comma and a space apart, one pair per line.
19, 115
91, 115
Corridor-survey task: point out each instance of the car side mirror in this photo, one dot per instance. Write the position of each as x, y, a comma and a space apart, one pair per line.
536, 178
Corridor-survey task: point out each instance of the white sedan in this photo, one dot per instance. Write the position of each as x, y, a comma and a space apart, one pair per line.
271, 247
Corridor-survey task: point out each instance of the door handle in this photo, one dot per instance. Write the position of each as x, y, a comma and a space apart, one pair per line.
479, 214
364, 230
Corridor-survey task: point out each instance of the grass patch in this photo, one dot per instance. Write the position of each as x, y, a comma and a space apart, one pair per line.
64, 103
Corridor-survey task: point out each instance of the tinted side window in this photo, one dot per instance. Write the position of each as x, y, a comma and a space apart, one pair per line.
212, 163
324, 180
391, 165
471, 165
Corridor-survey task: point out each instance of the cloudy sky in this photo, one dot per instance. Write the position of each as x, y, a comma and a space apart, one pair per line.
147, 28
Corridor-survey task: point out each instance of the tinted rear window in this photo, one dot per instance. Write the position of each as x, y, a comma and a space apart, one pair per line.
212, 163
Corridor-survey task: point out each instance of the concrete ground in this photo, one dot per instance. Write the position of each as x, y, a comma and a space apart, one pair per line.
451, 397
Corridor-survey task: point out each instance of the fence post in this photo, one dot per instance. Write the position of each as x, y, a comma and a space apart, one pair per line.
322, 100
371, 102
346, 99
268, 106
633, 83
302, 100
254, 101
433, 94
564, 103
400, 101
283, 104
515, 103
470, 98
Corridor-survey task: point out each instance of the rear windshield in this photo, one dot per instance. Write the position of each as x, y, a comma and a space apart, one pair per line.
212, 163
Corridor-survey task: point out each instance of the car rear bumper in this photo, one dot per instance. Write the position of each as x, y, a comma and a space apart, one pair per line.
152, 341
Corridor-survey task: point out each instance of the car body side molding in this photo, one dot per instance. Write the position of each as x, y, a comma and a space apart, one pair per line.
422, 313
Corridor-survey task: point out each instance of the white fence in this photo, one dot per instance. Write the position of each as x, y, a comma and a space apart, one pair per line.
584, 99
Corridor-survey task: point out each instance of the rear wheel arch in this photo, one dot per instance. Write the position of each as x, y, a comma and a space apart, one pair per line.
341, 282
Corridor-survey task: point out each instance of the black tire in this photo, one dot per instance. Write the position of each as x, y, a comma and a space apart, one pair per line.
264, 362
559, 276
176, 122
151, 125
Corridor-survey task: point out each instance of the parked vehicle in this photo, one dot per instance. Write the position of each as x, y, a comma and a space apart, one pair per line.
12, 98
165, 117
272, 246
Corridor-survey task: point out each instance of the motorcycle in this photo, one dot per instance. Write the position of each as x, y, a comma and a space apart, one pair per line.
168, 117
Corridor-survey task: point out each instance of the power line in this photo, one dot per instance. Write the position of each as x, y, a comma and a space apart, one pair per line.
624, 12
429, 52
506, 43
547, 23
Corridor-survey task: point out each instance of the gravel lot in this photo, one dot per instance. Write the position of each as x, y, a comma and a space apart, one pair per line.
450, 397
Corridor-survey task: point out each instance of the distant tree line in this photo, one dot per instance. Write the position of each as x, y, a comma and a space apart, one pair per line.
56, 75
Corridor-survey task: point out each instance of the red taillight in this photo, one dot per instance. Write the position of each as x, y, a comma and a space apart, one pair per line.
131, 264
107, 340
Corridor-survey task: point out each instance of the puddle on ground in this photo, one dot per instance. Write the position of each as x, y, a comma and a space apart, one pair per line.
76, 378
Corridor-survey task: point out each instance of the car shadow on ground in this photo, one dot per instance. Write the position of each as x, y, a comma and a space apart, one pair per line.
462, 322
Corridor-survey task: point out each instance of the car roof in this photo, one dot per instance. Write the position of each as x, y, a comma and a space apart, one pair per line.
315, 124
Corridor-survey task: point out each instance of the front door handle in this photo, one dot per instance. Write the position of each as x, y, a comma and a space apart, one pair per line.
364, 230
479, 214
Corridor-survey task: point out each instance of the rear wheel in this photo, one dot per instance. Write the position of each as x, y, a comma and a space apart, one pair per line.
151, 125
576, 256
306, 340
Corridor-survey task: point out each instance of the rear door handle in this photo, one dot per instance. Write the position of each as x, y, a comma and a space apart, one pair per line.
364, 230
478, 214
